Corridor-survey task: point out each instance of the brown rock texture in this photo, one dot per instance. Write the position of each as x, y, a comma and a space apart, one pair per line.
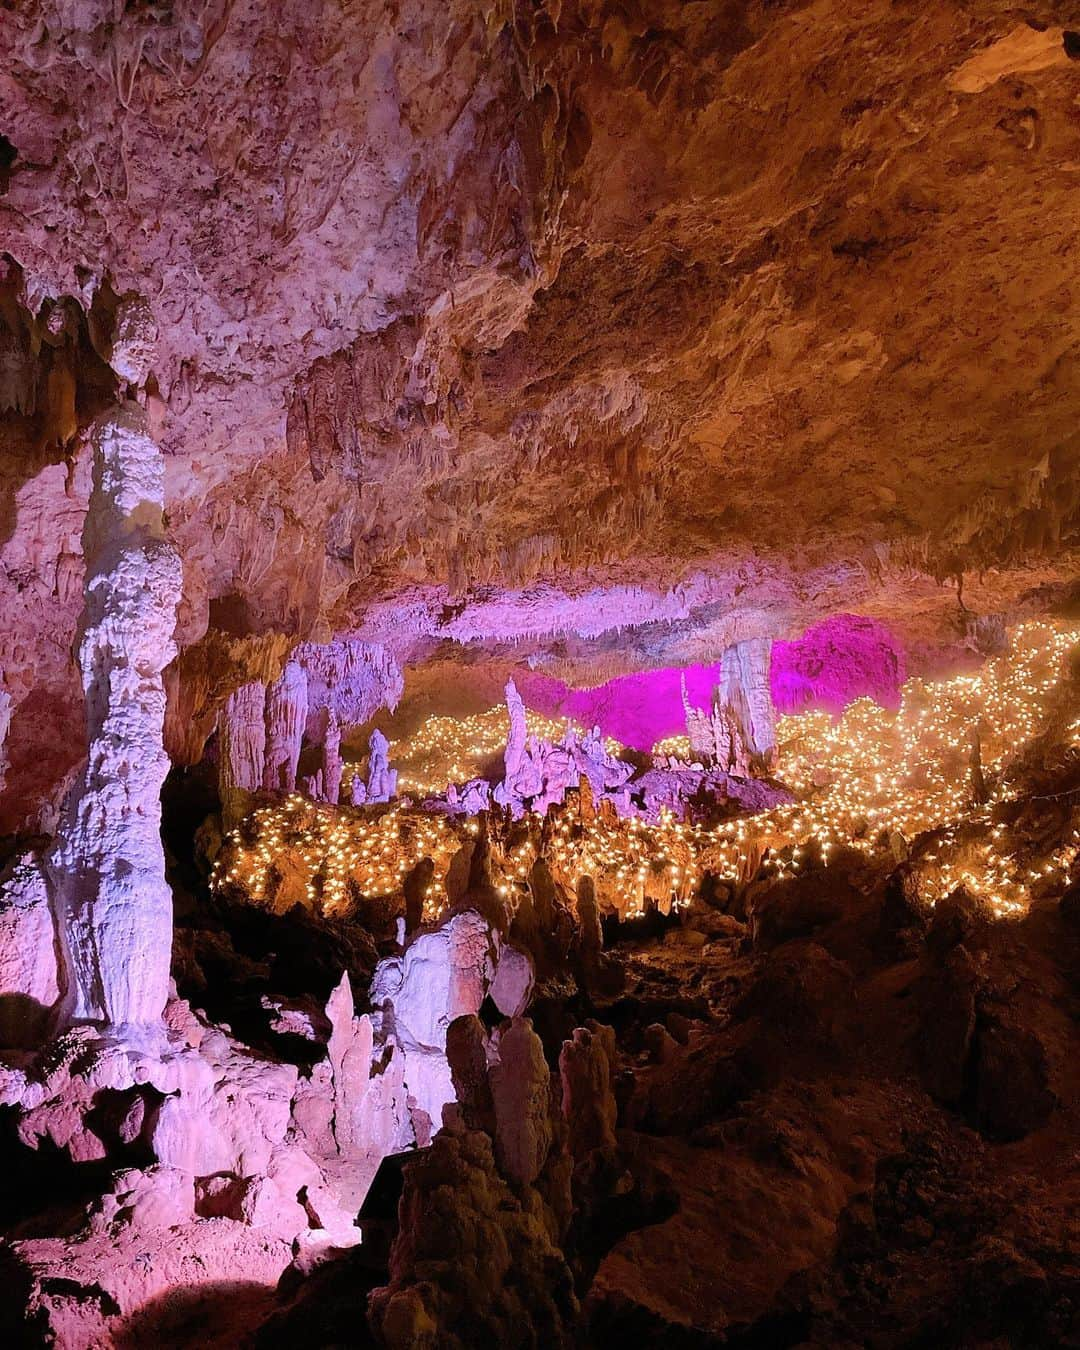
464, 316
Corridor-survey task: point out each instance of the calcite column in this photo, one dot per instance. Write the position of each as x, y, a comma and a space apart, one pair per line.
331, 757
242, 739
745, 689
514, 754
286, 717
113, 906
241, 750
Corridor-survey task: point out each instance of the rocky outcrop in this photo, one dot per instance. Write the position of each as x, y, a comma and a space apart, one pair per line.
30, 970
442, 975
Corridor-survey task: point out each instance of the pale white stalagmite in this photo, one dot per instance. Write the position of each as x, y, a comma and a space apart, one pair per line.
382, 780
113, 905
286, 716
515, 740
744, 688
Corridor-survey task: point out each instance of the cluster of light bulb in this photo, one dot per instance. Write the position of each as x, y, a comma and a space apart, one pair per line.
875, 774
870, 777
455, 749
334, 854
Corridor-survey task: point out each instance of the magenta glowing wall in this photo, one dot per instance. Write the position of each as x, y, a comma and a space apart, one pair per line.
844, 658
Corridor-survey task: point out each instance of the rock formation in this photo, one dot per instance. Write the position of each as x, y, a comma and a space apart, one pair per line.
674, 368
382, 780
745, 690
330, 772
286, 717
442, 975
113, 906
241, 747
5, 723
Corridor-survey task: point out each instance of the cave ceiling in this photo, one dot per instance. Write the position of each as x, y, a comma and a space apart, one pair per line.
617, 327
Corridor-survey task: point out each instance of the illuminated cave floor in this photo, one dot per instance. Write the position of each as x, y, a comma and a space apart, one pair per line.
872, 779
798, 1156
848, 1098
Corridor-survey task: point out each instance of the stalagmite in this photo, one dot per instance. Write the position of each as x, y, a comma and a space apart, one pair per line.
515, 740
286, 717
716, 739
382, 780
113, 905
331, 758
744, 688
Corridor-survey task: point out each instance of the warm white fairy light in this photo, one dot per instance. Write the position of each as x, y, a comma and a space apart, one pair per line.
454, 749
859, 780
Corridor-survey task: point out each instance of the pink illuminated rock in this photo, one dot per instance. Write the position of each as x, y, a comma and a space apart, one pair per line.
331, 756
113, 904
349, 1051
29, 974
537, 774
99, 1287
134, 340
228, 1112
514, 754
5, 723
353, 678
441, 975
846, 657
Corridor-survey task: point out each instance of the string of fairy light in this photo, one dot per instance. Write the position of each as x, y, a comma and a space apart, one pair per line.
871, 778
454, 749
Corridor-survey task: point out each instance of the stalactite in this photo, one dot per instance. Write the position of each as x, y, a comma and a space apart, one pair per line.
113, 905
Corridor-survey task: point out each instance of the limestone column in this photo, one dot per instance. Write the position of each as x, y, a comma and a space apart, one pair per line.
286, 717
242, 740
745, 689
331, 757
113, 906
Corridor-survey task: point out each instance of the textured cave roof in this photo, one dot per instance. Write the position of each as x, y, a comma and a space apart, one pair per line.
712, 316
